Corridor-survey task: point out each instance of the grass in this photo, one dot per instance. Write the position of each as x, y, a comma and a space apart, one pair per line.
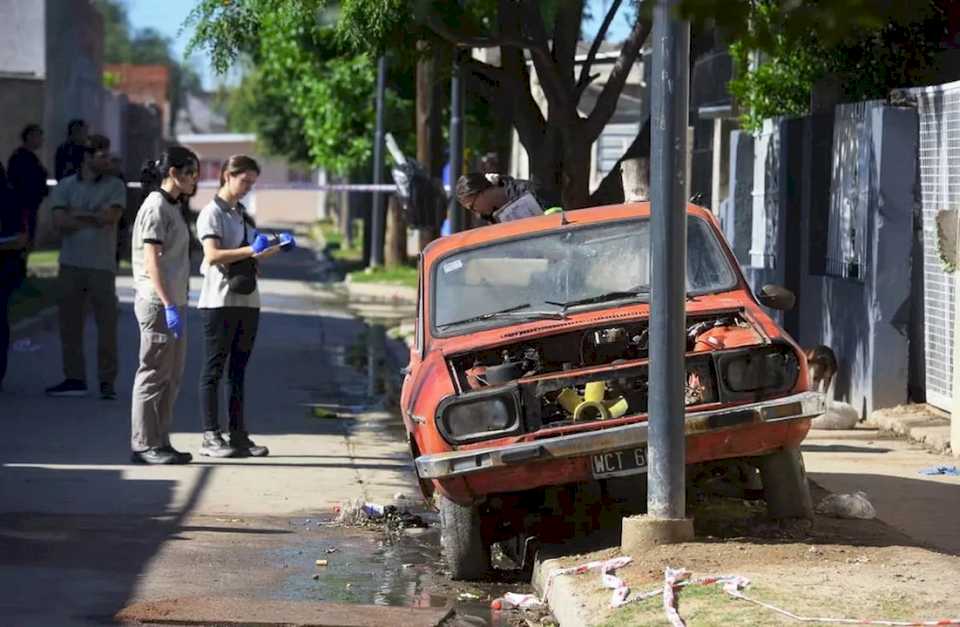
36, 294
332, 237
393, 275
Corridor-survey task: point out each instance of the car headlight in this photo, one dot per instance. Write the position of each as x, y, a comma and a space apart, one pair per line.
481, 416
767, 370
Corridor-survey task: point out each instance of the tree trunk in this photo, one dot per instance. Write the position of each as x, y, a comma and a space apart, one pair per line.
576, 170
396, 236
610, 190
429, 123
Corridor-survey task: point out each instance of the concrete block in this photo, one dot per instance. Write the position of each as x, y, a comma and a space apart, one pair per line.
643, 532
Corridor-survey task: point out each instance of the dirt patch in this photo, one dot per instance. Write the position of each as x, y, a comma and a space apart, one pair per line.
831, 568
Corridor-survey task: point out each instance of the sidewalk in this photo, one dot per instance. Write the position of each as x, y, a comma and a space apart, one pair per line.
903, 565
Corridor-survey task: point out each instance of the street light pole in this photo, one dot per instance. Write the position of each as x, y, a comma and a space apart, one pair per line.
668, 226
454, 212
377, 217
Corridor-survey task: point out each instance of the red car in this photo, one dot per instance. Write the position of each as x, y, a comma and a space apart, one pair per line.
529, 370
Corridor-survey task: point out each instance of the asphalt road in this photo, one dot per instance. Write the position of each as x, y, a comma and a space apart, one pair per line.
84, 533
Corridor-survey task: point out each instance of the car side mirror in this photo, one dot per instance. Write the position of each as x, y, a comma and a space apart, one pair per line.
776, 297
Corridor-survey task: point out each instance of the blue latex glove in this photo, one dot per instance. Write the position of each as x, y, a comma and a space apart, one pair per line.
174, 323
260, 243
286, 241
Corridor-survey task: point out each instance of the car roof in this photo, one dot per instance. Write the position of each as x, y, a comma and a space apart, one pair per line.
541, 224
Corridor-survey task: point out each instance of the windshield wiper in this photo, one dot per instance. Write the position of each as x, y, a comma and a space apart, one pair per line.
599, 298
516, 310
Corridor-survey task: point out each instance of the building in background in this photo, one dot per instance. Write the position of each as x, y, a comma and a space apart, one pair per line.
51, 71
143, 84
284, 193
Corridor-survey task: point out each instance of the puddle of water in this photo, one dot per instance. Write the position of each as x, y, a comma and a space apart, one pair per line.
363, 566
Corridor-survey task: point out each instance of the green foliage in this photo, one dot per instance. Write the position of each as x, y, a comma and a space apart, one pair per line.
308, 96
869, 52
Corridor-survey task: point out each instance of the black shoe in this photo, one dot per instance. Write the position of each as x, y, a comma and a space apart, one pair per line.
180, 456
214, 445
241, 441
70, 387
107, 392
154, 456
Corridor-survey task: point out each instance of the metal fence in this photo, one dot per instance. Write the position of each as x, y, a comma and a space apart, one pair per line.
939, 109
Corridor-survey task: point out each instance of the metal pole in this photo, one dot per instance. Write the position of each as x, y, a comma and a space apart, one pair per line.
668, 225
455, 213
377, 217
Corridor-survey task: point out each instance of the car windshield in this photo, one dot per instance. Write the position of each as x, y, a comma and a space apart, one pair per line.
545, 275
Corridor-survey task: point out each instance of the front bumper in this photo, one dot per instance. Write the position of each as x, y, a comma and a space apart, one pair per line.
460, 463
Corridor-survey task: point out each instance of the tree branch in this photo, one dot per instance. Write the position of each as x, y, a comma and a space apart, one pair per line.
607, 101
558, 98
584, 79
460, 40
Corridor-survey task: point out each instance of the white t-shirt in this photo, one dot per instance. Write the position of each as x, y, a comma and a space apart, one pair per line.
225, 223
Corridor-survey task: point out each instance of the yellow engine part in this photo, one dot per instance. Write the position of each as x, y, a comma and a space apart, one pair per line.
591, 406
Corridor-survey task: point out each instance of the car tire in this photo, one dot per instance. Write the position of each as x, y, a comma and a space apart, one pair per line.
785, 485
465, 552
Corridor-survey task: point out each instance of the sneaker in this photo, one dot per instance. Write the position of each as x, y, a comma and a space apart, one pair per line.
70, 387
107, 392
241, 441
154, 456
180, 456
214, 445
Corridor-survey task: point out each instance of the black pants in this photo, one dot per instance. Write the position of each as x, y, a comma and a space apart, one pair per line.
228, 332
5, 294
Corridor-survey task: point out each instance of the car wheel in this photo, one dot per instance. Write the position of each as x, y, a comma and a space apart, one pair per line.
785, 485
466, 553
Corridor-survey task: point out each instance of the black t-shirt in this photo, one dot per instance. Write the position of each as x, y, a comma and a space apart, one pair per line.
27, 178
11, 218
68, 160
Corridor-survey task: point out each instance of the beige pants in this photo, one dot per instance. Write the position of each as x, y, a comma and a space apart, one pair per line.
79, 286
157, 383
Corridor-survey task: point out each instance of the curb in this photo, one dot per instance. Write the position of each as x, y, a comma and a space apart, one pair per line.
380, 293
929, 429
42, 320
562, 598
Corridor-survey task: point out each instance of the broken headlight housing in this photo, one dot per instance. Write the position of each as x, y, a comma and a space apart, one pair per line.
769, 370
480, 415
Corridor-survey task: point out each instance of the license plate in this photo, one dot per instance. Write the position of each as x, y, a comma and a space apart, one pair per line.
631, 461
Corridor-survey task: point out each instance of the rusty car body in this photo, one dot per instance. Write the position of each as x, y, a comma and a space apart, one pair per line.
529, 368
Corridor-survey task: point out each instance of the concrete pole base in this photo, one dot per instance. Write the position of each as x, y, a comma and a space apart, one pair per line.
641, 533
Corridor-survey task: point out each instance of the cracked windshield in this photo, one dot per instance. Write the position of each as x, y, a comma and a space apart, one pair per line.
544, 275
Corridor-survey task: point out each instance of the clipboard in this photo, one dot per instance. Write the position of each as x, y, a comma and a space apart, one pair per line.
524, 207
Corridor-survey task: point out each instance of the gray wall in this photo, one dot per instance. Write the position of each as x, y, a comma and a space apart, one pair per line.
22, 34
866, 322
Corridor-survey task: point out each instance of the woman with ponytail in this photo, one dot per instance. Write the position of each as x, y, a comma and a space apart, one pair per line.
230, 304
161, 275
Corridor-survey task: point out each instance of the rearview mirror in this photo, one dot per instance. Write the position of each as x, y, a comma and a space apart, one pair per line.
776, 297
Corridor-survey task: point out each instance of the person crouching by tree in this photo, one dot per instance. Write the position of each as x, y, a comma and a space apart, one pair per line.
160, 255
86, 208
485, 195
230, 304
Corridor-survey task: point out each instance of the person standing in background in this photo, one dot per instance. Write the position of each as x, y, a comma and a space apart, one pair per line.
160, 252
70, 153
13, 240
28, 178
86, 209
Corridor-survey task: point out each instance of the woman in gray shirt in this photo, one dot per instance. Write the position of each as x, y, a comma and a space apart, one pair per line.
230, 304
161, 276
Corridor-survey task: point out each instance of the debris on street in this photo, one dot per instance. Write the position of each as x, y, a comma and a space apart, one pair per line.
321, 562
855, 505
839, 415
941, 469
513, 600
